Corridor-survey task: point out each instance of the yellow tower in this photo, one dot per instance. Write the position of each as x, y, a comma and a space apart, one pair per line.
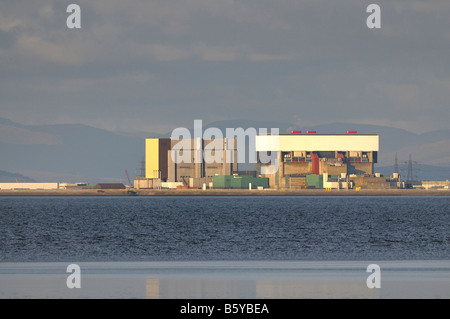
156, 154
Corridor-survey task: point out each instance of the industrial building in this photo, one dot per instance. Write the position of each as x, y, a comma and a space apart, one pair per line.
207, 158
156, 155
304, 160
239, 182
435, 184
109, 186
193, 164
297, 161
29, 186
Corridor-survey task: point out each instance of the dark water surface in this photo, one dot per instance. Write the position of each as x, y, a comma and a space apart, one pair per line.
195, 228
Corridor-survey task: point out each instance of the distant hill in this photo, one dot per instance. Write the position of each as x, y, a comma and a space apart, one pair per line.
420, 172
80, 153
223, 125
68, 153
7, 177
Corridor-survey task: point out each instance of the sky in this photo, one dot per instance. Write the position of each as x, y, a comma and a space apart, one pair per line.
143, 65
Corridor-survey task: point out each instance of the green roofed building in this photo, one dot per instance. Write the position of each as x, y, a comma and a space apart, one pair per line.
239, 181
314, 181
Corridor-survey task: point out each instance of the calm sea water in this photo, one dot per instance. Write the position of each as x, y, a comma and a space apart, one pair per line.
185, 228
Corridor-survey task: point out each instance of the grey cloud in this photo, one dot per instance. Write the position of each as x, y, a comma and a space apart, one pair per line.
168, 62
6, 39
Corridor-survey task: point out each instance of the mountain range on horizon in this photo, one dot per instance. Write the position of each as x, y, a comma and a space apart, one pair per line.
81, 153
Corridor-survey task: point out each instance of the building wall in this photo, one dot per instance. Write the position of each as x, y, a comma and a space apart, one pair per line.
296, 182
151, 158
325, 167
164, 147
318, 142
30, 186
435, 184
372, 182
156, 157
213, 157
143, 183
332, 154
239, 181
170, 167
296, 168
360, 168
110, 186
198, 182
273, 180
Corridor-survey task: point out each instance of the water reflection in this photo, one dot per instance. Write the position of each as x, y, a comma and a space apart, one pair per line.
227, 280
257, 289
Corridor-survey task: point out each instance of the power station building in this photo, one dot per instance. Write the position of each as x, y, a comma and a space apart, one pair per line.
201, 159
308, 160
189, 162
299, 155
157, 151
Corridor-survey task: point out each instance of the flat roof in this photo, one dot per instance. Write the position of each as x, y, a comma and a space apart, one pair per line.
313, 134
318, 142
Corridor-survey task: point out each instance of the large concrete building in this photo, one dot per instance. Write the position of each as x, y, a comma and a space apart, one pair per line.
191, 161
206, 158
311, 153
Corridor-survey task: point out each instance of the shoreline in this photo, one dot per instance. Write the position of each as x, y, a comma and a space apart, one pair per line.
226, 192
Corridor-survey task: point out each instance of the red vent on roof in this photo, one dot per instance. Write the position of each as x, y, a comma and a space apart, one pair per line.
310, 132
352, 132
296, 132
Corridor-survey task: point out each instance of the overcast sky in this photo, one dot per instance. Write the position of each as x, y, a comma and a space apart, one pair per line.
143, 65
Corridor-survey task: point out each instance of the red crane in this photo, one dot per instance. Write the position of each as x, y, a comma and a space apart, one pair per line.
129, 181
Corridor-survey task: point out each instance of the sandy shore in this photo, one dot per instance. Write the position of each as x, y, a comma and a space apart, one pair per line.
227, 192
